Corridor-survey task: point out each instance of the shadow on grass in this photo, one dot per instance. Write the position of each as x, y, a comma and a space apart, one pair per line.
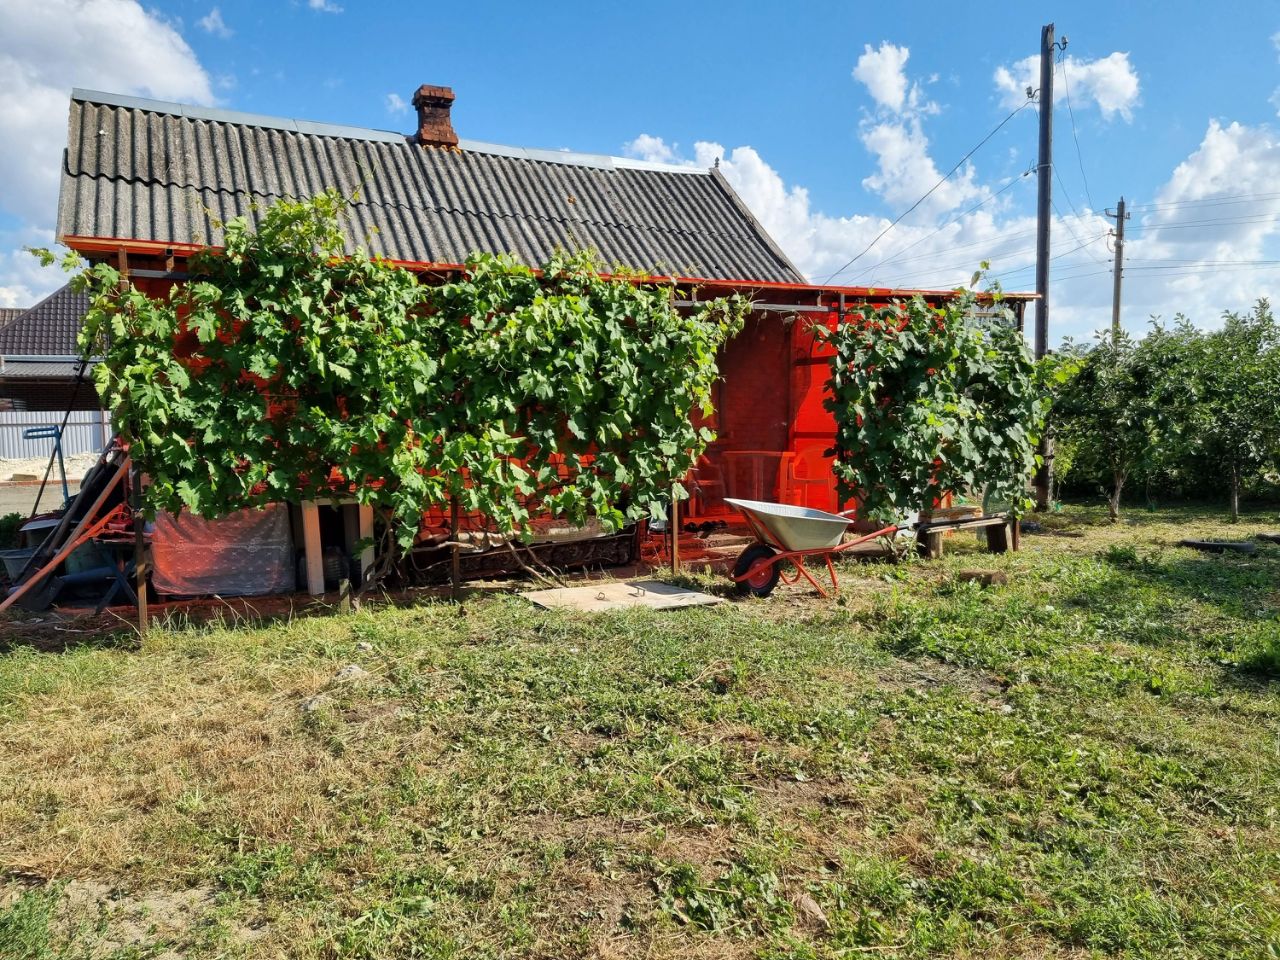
1227, 605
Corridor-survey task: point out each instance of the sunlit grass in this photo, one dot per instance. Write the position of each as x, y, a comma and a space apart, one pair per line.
1080, 762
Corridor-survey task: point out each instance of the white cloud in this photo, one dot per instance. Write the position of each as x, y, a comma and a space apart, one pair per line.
905, 171
324, 6
653, 149
1194, 248
1110, 83
47, 48
895, 136
396, 104
881, 72
213, 23
1213, 208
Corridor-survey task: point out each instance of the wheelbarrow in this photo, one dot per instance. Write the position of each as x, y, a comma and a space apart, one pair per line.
793, 534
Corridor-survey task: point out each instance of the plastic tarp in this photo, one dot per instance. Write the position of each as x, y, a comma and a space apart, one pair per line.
244, 554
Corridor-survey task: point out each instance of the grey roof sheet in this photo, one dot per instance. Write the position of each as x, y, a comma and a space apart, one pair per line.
39, 369
147, 170
49, 328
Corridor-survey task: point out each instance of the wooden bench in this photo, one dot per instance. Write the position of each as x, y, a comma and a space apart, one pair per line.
1002, 534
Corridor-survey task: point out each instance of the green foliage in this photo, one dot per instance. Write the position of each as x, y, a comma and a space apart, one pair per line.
1188, 410
748, 895
1224, 394
288, 366
10, 524
24, 927
930, 400
1106, 411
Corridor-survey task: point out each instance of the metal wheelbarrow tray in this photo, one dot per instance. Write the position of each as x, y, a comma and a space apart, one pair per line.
790, 533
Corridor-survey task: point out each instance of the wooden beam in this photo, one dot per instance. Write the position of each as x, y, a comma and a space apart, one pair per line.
365, 514
311, 547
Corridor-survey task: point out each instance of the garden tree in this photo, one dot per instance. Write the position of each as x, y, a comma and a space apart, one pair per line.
1225, 395
1105, 411
288, 367
931, 400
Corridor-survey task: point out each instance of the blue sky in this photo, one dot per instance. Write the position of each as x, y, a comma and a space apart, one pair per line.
831, 117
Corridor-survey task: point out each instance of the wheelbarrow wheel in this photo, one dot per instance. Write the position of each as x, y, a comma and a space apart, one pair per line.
762, 581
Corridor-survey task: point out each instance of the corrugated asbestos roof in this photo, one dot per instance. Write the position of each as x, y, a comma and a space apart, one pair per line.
147, 170
49, 328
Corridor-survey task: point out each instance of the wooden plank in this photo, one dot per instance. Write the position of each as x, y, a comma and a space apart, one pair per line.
311, 548
364, 514
965, 524
929, 543
618, 595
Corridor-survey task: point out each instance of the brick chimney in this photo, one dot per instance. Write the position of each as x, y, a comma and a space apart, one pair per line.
433, 104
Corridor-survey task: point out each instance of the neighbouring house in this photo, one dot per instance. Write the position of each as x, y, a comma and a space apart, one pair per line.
39, 359
144, 183
43, 381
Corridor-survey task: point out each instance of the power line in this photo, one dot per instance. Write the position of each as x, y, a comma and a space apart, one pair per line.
1059, 256
1232, 198
1215, 265
1221, 263
935, 269
1066, 86
897, 258
1067, 223
930, 191
1190, 224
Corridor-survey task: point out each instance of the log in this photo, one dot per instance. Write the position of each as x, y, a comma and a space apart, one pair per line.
1219, 546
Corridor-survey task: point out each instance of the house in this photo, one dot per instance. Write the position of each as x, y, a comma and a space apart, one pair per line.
144, 183
39, 359
42, 380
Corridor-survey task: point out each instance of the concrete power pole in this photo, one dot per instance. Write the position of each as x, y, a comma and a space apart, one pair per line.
1120, 217
1044, 477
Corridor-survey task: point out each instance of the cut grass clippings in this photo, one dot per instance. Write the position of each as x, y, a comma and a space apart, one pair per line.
1079, 762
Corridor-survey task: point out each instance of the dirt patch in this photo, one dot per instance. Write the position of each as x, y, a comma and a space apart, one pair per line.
929, 674
113, 920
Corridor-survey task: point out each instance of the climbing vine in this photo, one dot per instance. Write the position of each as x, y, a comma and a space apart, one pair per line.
289, 367
931, 400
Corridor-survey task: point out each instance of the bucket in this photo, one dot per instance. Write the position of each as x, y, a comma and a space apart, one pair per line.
16, 560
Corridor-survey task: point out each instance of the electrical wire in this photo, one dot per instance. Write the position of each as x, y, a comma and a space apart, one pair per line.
936, 269
930, 191
1207, 201
1190, 224
897, 258
1067, 223
1066, 86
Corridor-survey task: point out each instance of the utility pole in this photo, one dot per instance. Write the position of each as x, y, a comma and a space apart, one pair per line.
1044, 202
1120, 217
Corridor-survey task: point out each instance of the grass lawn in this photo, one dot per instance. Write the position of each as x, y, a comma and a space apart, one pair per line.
1083, 762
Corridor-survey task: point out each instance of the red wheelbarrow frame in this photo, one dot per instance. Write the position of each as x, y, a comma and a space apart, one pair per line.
763, 536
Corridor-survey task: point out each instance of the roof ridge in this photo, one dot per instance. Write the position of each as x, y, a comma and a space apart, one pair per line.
340, 131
